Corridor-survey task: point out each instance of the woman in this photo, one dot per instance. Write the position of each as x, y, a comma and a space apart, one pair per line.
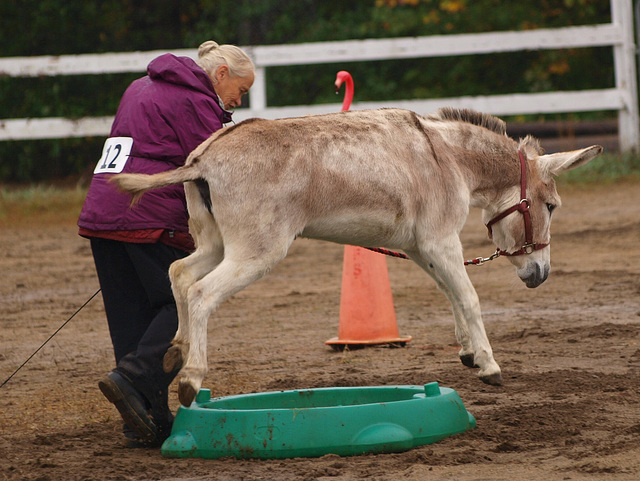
162, 117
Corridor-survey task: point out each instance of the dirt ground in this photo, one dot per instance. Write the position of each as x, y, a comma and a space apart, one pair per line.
569, 408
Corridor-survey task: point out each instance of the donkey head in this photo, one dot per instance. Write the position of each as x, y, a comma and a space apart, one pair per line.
520, 227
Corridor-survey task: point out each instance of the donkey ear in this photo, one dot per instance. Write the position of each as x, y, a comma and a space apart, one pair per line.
557, 163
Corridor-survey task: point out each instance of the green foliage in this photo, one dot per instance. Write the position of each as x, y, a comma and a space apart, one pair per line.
52, 27
71, 96
42, 160
606, 168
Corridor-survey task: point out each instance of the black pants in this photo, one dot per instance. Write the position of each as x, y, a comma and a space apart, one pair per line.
141, 311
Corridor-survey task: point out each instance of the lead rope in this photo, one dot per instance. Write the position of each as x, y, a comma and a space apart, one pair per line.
478, 261
50, 337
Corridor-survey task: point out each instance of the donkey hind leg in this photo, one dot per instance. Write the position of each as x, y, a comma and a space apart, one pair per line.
184, 273
446, 266
234, 273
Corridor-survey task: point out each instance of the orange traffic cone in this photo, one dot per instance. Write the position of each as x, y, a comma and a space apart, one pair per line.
367, 316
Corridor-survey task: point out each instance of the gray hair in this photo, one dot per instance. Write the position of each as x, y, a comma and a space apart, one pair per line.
211, 56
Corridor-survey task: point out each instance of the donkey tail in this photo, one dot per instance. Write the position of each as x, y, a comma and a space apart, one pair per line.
138, 184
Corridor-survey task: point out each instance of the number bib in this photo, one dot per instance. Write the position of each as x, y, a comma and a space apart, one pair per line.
115, 154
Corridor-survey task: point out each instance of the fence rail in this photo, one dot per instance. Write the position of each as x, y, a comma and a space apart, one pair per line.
618, 34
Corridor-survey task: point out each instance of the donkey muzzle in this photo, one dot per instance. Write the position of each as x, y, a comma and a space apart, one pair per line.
534, 274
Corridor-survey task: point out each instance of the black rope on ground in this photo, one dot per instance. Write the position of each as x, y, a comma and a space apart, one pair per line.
50, 337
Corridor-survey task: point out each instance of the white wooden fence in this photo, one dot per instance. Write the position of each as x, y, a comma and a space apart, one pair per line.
618, 34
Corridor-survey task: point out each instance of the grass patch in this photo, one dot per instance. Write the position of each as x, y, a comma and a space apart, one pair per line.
606, 168
40, 205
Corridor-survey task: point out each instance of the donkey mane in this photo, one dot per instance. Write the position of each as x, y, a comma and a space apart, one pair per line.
533, 143
226, 130
473, 117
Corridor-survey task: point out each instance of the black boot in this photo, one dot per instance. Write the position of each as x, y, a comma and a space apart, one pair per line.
133, 407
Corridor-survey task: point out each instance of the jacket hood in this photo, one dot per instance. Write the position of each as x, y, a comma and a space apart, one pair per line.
180, 71
186, 72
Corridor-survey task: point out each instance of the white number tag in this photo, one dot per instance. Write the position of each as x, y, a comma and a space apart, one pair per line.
115, 154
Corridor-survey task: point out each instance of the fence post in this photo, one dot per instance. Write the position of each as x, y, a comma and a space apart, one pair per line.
624, 56
258, 93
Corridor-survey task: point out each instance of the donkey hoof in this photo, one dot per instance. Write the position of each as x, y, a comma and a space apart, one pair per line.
468, 360
186, 393
492, 379
172, 359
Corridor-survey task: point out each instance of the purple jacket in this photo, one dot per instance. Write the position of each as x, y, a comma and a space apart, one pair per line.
168, 113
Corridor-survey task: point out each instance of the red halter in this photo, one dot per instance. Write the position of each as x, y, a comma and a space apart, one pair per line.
522, 206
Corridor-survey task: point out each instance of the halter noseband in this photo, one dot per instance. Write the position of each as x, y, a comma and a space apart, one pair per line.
523, 206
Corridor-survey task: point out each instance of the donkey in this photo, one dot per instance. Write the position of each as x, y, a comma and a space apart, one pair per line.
388, 178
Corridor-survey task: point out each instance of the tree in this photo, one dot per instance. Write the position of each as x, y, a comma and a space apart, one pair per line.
51, 27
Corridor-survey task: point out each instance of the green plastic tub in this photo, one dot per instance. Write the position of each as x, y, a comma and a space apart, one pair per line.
315, 422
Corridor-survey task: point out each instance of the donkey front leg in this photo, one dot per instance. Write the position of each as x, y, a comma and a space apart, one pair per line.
466, 354
466, 310
446, 266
